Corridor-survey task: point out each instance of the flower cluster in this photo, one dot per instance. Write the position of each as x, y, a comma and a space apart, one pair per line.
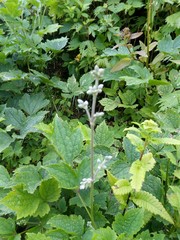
85, 183
95, 89
82, 104
97, 72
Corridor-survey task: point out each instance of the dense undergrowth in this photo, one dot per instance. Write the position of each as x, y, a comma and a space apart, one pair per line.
89, 119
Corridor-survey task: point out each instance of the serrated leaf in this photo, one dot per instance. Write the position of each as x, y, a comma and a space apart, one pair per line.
109, 104
138, 172
31, 104
103, 135
5, 140
104, 234
42, 210
49, 29
22, 202
7, 227
15, 117
28, 177
169, 141
149, 202
49, 190
111, 178
130, 223
64, 174
174, 20
148, 161
4, 177
54, 45
121, 187
130, 150
37, 236
73, 224
174, 197
67, 142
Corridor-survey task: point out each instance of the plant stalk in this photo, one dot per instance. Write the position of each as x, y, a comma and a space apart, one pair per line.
149, 28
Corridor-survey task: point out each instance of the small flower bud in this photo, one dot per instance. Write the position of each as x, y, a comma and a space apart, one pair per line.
98, 114
82, 104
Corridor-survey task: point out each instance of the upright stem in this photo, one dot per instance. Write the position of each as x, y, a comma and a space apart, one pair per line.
149, 23
92, 124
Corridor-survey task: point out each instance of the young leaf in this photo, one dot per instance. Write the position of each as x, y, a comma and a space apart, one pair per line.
148, 161
31, 104
149, 202
138, 172
73, 224
7, 227
121, 187
68, 143
103, 135
130, 223
136, 141
22, 202
49, 190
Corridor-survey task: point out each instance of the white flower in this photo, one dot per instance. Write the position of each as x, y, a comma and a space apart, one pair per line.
85, 183
97, 72
98, 114
95, 89
82, 104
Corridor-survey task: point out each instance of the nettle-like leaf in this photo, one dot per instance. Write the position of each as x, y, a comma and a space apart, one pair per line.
73, 224
103, 135
54, 45
174, 20
64, 174
109, 104
28, 177
148, 161
5, 178
138, 176
37, 236
67, 142
130, 223
31, 104
168, 45
174, 197
169, 141
5, 140
121, 187
149, 202
22, 202
7, 227
49, 190
104, 234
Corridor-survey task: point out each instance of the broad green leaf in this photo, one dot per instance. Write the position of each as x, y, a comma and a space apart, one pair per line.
54, 45
4, 177
5, 140
68, 143
169, 141
103, 135
149, 202
15, 117
138, 176
148, 161
154, 186
104, 234
149, 236
174, 20
31, 104
130, 150
28, 177
130, 223
111, 178
174, 197
109, 104
22, 202
121, 187
49, 29
166, 45
7, 227
37, 236
42, 210
85, 81
73, 224
49, 190
177, 173
64, 174
120, 170
12, 75
128, 98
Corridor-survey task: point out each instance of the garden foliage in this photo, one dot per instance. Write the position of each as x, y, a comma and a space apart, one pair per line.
89, 119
